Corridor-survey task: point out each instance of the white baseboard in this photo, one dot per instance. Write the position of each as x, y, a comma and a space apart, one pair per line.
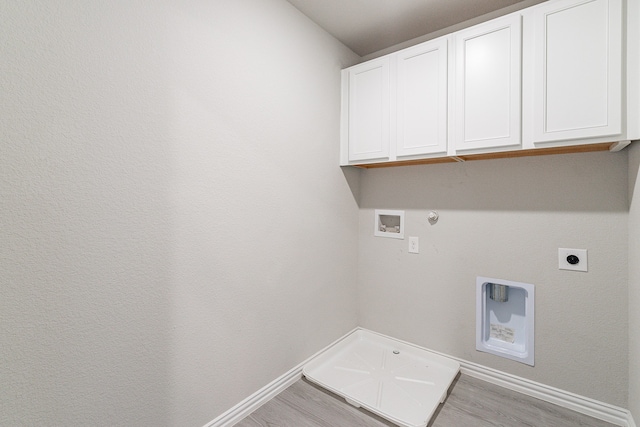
262, 396
256, 400
584, 405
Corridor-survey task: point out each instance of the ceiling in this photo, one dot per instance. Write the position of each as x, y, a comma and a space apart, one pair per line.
367, 26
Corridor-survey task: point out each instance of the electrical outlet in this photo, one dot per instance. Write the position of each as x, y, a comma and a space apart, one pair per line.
572, 259
414, 245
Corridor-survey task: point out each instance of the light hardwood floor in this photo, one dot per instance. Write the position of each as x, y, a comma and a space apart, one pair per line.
471, 403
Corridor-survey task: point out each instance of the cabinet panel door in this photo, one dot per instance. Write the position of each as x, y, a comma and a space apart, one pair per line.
422, 99
578, 72
488, 84
369, 103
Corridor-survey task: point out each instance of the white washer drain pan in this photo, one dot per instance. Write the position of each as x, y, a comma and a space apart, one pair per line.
396, 380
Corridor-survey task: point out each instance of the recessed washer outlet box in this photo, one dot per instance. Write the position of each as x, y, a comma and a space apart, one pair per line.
389, 223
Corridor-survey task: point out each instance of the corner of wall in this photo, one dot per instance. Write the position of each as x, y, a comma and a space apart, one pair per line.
634, 278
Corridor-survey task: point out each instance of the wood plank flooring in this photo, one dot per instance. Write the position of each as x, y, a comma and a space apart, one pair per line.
471, 403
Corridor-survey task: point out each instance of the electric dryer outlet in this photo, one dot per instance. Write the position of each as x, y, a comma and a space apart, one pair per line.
572, 259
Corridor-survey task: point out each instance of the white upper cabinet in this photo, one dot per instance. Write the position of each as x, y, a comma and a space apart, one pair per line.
368, 110
488, 85
421, 126
558, 74
577, 76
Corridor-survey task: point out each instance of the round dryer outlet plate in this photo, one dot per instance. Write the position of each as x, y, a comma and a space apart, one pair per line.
572, 259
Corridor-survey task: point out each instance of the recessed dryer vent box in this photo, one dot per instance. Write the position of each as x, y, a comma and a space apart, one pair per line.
505, 319
389, 224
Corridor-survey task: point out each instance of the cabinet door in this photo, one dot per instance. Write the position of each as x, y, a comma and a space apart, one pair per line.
577, 70
369, 103
422, 99
488, 84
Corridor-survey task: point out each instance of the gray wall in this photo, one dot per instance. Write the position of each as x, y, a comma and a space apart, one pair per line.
506, 219
175, 230
176, 234
634, 280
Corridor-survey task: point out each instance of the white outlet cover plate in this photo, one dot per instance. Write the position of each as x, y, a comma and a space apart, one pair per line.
563, 264
414, 245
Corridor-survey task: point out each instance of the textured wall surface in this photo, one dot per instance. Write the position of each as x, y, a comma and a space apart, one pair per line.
506, 219
634, 280
175, 231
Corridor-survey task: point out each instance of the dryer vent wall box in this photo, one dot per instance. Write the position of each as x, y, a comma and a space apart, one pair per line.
388, 223
505, 316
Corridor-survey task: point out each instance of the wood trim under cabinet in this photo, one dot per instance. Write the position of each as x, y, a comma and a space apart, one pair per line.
586, 148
